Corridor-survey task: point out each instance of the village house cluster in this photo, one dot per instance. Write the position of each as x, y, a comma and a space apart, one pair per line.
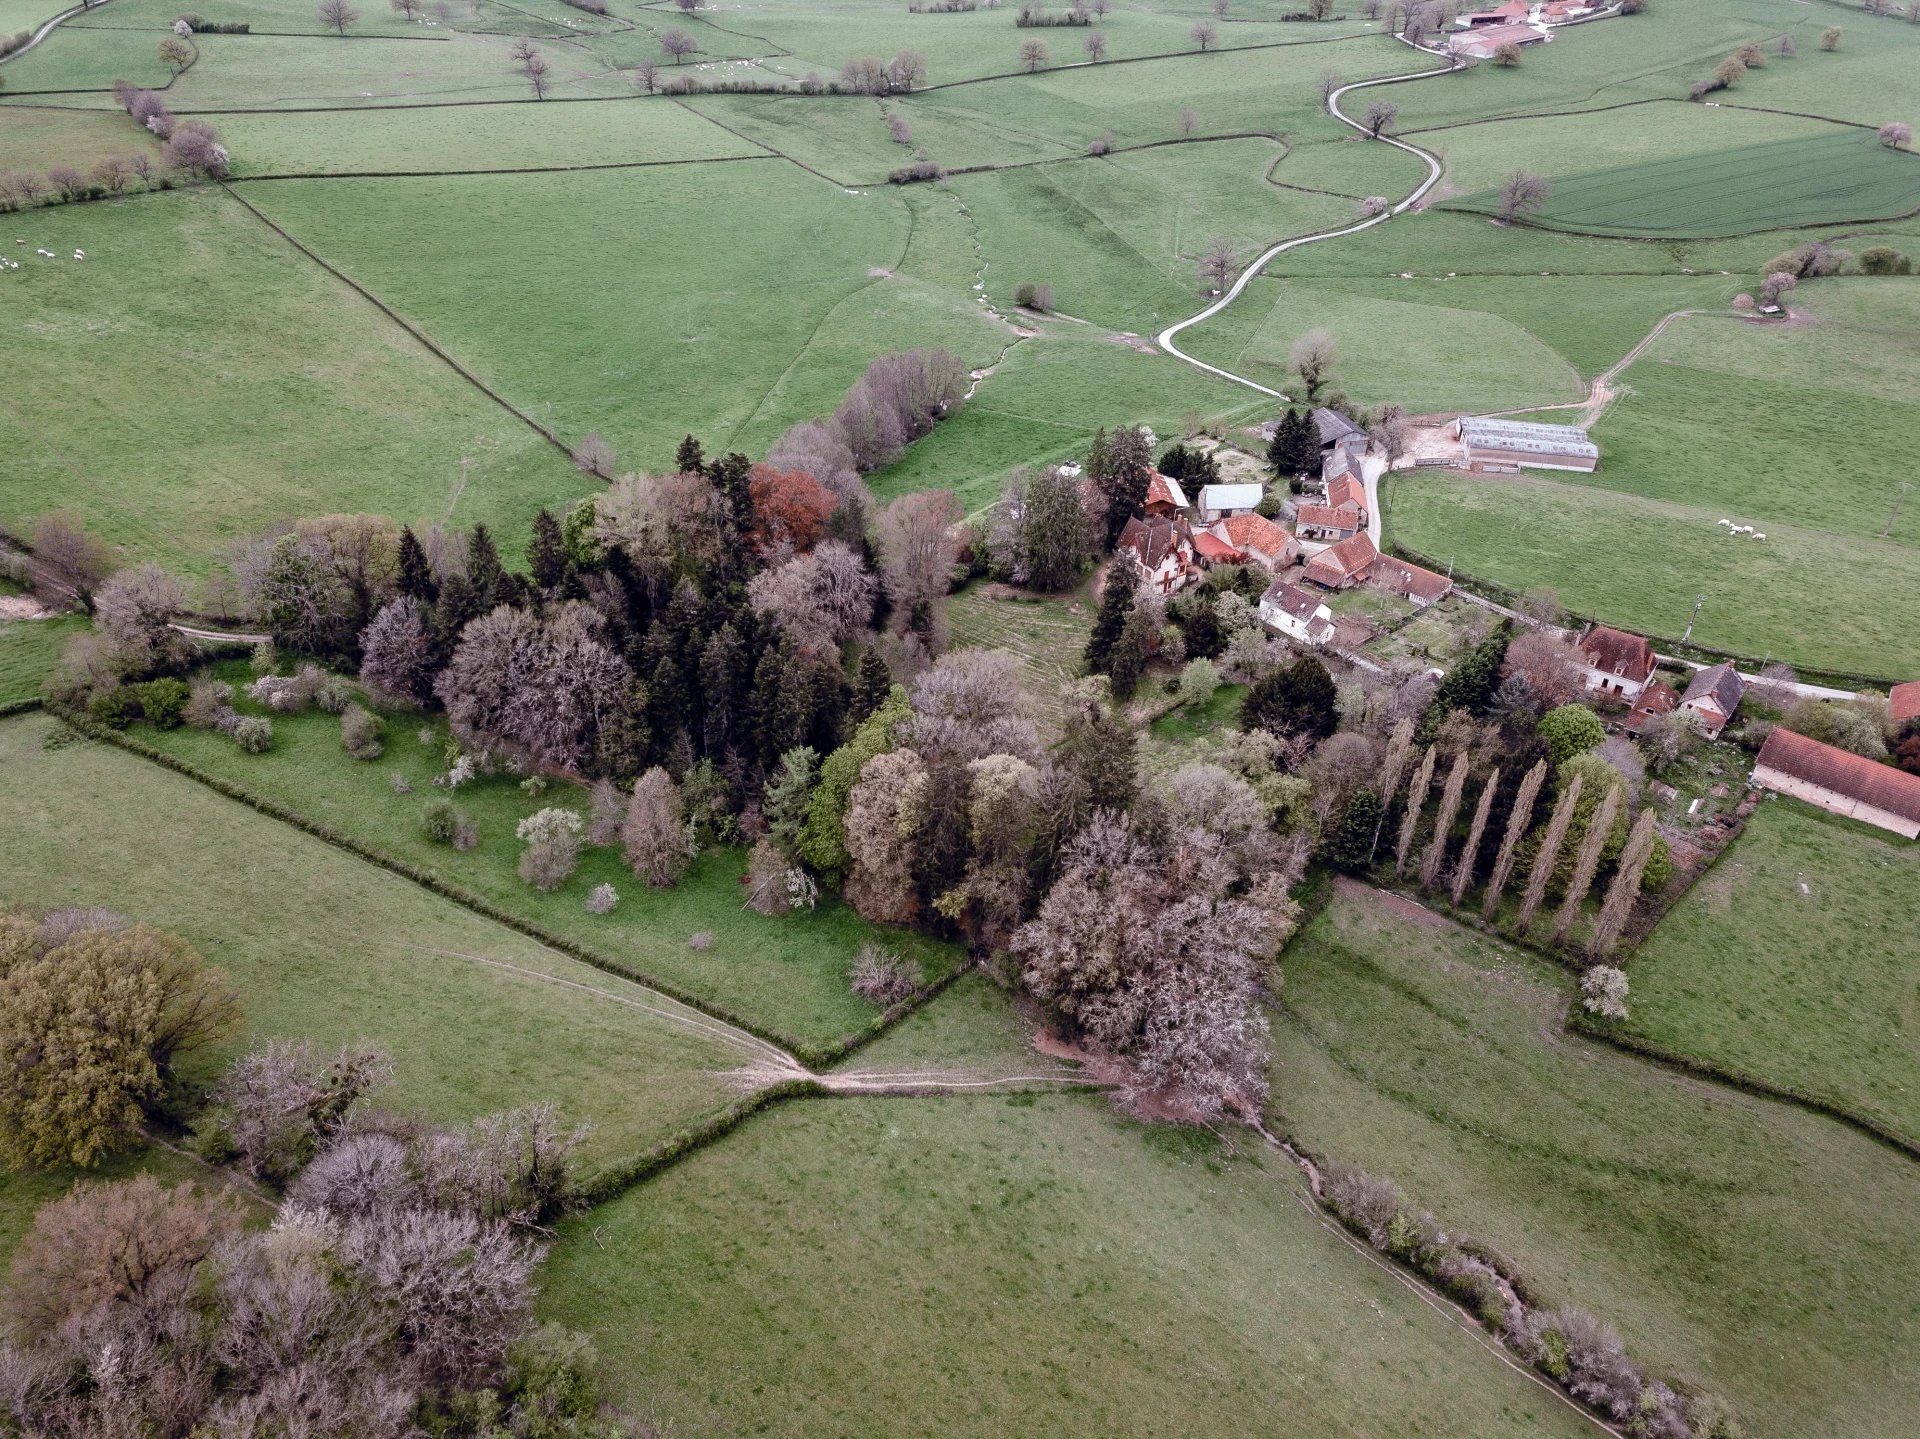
1479, 34
1175, 539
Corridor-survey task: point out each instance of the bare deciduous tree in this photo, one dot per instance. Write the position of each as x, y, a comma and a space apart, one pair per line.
677, 45
1517, 821
1204, 34
1188, 120
647, 75
1416, 801
1470, 852
69, 559
1096, 46
657, 843
1329, 82
972, 704
1587, 861
821, 599
1548, 855
1625, 888
1522, 193
1033, 55
1896, 135
1313, 357
1378, 116
536, 69
883, 812
337, 15
1218, 265
594, 456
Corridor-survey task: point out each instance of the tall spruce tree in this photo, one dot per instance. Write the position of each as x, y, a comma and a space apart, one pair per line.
484, 571
690, 459
871, 687
1129, 658
416, 575
546, 551
1294, 449
723, 690
1129, 471
1116, 603
1299, 697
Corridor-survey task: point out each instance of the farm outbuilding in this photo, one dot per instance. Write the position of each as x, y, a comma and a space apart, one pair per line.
1494, 444
1840, 782
1481, 41
1219, 501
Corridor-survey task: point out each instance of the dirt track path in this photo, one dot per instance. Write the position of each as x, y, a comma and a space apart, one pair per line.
1601, 393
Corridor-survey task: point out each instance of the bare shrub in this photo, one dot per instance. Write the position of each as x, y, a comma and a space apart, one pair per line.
602, 899
279, 1101
881, 976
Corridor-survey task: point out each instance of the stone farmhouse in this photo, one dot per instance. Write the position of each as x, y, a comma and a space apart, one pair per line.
1161, 552
1840, 782
1216, 502
1257, 540
1711, 698
1357, 561
1481, 41
1616, 663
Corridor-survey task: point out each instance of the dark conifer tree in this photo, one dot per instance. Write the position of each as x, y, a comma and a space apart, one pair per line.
870, 687
1129, 658
1116, 603
723, 690
456, 605
546, 551
770, 721
1299, 697
484, 571
1129, 471
416, 575
667, 703
1098, 747
1205, 639
690, 459
1349, 848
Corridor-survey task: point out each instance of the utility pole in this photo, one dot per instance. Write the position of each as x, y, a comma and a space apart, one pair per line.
1698, 600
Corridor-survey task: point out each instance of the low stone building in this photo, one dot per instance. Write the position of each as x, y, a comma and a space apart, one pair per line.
1216, 502
1494, 444
1324, 522
1258, 540
1342, 566
1711, 698
1840, 782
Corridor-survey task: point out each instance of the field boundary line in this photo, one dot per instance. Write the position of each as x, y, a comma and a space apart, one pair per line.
520, 170
432, 345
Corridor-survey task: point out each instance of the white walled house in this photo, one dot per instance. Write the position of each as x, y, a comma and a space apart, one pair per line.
1217, 502
1614, 662
1298, 614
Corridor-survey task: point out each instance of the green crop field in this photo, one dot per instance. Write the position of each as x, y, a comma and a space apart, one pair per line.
324, 945
1794, 960
789, 974
981, 1266
1841, 177
178, 458
40, 139
1048, 632
1687, 1214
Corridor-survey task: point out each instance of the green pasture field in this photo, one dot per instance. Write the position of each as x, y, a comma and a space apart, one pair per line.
1185, 725
1120, 238
1721, 1233
324, 945
1044, 402
28, 649
972, 1030
822, 35
788, 974
1642, 562
1840, 177
18, 15
1033, 1265
1422, 354
277, 72
1794, 960
1048, 633
1863, 81
1567, 149
1654, 55
728, 299
474, 138
196, 380
266, 17
84, 60
39, 139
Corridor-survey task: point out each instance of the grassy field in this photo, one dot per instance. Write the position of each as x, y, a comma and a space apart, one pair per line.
474, 138
644, 352
974, 1028
788, 973
1844, 176
1047, 632
38, 139
1668, 473
153, 386
28, 649
321, 944
1794, 960
981, 1266
1720, 1233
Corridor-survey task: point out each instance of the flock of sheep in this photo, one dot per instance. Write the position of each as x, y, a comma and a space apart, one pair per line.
1734, 529
8, 263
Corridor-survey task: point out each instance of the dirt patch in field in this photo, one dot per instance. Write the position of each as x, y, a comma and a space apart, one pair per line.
23, 607
1134, 342
1394, 904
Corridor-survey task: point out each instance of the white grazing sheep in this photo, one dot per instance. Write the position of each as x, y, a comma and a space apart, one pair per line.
1759, 537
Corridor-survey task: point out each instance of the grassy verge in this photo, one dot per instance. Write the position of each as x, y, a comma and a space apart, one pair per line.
1716, 1229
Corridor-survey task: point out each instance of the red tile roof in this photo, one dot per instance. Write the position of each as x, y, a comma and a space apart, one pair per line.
1163, 491
1410, 580
1903, 702
1344, 491
1210, 546
1151, 540
1655, 699
1346, 561
1618, 653
1256, 532
1325, 517
1854, 776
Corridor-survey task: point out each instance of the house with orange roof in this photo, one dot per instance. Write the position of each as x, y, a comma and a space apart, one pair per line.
1164, 496
1615, 662
1840, 782
1903, 703
1160, 551
1342, 566
1258, 540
